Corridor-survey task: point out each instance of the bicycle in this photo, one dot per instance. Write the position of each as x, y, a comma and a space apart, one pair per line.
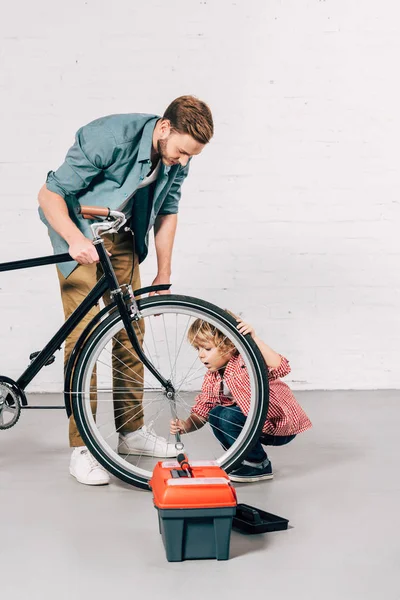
170, 366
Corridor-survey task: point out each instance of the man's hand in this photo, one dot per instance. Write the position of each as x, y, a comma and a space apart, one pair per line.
83, 251
159, 280
164, 233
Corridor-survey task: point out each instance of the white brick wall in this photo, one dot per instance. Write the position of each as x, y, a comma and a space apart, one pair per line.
291, 215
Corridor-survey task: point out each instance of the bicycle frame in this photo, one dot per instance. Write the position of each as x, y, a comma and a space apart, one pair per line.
107, 282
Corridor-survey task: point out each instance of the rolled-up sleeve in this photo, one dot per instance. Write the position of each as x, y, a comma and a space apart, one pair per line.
281, 371
170, 206
91, 153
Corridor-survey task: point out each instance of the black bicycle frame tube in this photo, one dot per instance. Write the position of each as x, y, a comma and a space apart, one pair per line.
55, 343
35, 262
117, 296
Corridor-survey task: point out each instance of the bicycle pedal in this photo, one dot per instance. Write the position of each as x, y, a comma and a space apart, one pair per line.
49, 361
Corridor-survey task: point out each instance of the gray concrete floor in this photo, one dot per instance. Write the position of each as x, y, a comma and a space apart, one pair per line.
338, 484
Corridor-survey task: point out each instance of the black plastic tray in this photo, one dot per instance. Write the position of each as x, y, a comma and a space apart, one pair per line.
249, 519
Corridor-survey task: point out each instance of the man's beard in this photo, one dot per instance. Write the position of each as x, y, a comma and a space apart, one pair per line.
162, 149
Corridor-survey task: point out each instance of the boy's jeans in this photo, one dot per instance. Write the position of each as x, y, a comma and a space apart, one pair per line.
227, 423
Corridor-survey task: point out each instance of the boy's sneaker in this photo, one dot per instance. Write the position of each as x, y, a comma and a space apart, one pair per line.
248, 474
85, 468
145, 442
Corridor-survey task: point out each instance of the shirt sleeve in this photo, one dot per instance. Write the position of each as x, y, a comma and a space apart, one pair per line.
206, 400
91, 153
170, 205
281, 371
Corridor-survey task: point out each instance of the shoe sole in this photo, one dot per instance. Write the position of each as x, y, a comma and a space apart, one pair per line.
250, 479
88, 482
145, 453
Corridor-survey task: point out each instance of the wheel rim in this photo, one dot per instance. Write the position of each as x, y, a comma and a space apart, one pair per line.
167, 347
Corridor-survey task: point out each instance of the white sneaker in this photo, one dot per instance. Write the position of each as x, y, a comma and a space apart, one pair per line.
145, 442
85, 468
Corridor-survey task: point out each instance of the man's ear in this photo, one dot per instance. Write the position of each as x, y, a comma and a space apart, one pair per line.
165, 128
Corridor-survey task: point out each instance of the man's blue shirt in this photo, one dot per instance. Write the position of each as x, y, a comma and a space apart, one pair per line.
109, 159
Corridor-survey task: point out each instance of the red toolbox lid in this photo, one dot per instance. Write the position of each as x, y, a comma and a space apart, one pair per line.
209, 487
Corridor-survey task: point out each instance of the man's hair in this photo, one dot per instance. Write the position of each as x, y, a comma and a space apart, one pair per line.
188, 114
202, 332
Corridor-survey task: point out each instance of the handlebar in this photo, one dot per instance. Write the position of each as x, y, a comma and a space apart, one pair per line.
111, 222
107, 220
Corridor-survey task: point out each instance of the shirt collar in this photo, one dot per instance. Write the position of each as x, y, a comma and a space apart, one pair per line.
144, 153
146, 142
234, 363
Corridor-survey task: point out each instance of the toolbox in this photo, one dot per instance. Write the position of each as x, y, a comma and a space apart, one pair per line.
195, 509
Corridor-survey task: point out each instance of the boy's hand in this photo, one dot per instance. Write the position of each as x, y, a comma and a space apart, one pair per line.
177, 426
245, 328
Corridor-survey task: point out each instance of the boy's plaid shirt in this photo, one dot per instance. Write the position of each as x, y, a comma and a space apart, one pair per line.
285, 415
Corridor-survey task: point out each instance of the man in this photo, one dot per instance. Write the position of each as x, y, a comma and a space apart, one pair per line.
135, 163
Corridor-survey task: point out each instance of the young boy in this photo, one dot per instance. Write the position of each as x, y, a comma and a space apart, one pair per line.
223, 399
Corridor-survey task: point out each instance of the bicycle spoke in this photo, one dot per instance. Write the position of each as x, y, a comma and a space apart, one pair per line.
154, 343
181, 344
166, 338
179, 386
185, 379
147, 351
132, 418
125, 365
120, 397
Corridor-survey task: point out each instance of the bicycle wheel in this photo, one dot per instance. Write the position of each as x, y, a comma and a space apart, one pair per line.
102, 383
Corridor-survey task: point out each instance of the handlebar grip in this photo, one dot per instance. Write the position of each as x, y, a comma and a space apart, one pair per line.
89, 212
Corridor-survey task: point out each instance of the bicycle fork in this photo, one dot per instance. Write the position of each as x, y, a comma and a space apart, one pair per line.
116, 294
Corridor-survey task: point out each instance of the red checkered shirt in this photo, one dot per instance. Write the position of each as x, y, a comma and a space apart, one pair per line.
285, 415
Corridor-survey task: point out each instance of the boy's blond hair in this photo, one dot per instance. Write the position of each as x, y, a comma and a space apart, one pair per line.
202, 331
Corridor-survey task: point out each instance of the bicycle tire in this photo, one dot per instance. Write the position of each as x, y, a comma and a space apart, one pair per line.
164, 305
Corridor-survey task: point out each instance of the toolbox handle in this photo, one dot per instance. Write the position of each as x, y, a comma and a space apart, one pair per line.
248, 513
173, 464
195, 481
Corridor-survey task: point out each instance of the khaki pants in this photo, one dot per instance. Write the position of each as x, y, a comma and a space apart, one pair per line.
128, 408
